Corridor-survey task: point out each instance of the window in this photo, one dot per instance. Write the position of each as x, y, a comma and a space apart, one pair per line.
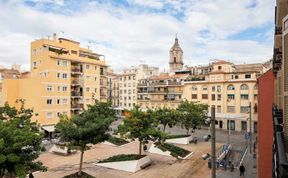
204, 96
255, 97
64, 101
244, 96
218, 109
64, 76
49, 115
95, 90
101, 81
58, 101
230, 87
58, 88
88, 78
49, 101
34, 64
230, 97
194, 88
218, 97
64, 88
49, 88
95, 79
244, 87
73, 52
230, 125
204, 88
243, 126
102, 71
231, 109
218, 88
213, 97
236, 77
219, 67
87, 66
247, 75
194, 96
87, 89
213, 88
58, 75
64, 63
244, 109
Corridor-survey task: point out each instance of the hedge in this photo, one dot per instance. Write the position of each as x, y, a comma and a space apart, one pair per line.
175, 150
122, 157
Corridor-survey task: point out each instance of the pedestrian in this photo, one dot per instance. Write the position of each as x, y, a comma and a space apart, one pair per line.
242, 170
31, 175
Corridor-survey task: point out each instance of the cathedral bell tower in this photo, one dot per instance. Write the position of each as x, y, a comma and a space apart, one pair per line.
176, 57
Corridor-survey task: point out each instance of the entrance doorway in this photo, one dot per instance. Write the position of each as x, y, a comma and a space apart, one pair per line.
220, 124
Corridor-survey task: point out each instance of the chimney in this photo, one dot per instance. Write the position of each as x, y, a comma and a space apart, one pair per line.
54, 37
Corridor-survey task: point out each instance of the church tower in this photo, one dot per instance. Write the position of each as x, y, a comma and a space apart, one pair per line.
176, 57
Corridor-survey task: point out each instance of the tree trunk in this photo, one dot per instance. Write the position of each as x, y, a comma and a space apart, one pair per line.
140, 148
164, 127
81, 162
187, 132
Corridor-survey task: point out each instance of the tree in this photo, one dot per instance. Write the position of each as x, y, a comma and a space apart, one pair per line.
140, 125
20, 141
192, 115
166, 117
89, 127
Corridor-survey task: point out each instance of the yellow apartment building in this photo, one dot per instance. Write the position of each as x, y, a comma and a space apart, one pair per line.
161, 91
64, 79
230, 88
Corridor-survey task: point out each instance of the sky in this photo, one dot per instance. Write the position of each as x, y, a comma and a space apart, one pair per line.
132, 32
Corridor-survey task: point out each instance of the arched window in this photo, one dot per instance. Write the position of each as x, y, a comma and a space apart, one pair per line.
244, 87
230, 87
255, 87
194, 88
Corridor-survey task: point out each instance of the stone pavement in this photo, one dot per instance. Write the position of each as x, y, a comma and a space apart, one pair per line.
250, 169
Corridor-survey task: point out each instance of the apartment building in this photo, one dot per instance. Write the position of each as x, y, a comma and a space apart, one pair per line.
113, 88
280, 109
161, 91
64, 79
128, 81
232, 89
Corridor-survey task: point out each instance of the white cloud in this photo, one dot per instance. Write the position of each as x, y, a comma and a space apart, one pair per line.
128, 37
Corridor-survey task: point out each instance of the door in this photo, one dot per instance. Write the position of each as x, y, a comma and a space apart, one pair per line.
230, 125
243, 126
255, 127
220, 124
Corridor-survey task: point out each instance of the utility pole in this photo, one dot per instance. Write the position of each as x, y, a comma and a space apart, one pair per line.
229, 131
250, 126
213, 143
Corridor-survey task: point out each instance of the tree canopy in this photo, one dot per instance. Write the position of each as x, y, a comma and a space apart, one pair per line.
89, 127
140, 125
192, 115
20, 142
166, 117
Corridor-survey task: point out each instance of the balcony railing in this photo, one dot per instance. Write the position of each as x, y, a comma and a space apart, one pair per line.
280, 160
77, 106
76, 70
277, 60
76, 82
76, 94
278, 30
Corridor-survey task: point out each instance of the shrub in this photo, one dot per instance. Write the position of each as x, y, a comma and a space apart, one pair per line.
122, 157
175, 150
117, 141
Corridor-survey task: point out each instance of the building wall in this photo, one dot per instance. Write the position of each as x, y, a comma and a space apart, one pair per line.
265, 127
64, 79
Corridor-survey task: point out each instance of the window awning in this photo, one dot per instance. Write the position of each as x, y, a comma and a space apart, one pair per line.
49, 128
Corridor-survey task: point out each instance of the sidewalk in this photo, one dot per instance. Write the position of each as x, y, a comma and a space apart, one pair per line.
250, 167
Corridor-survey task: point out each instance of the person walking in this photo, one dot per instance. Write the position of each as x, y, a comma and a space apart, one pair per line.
242, 170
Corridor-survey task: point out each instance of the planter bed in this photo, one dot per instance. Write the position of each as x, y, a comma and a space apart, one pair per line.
117, 141
170, 150
179, 139
75, 175
130, 163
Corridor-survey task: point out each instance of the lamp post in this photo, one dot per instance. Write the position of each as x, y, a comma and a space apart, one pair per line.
213, 143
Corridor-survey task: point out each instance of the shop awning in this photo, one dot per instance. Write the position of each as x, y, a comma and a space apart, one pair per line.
49, 128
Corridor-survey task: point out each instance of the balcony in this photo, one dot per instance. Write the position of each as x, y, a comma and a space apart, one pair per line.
76, 107
76, 82
277, 60
278, 30
76, 70
76, 94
